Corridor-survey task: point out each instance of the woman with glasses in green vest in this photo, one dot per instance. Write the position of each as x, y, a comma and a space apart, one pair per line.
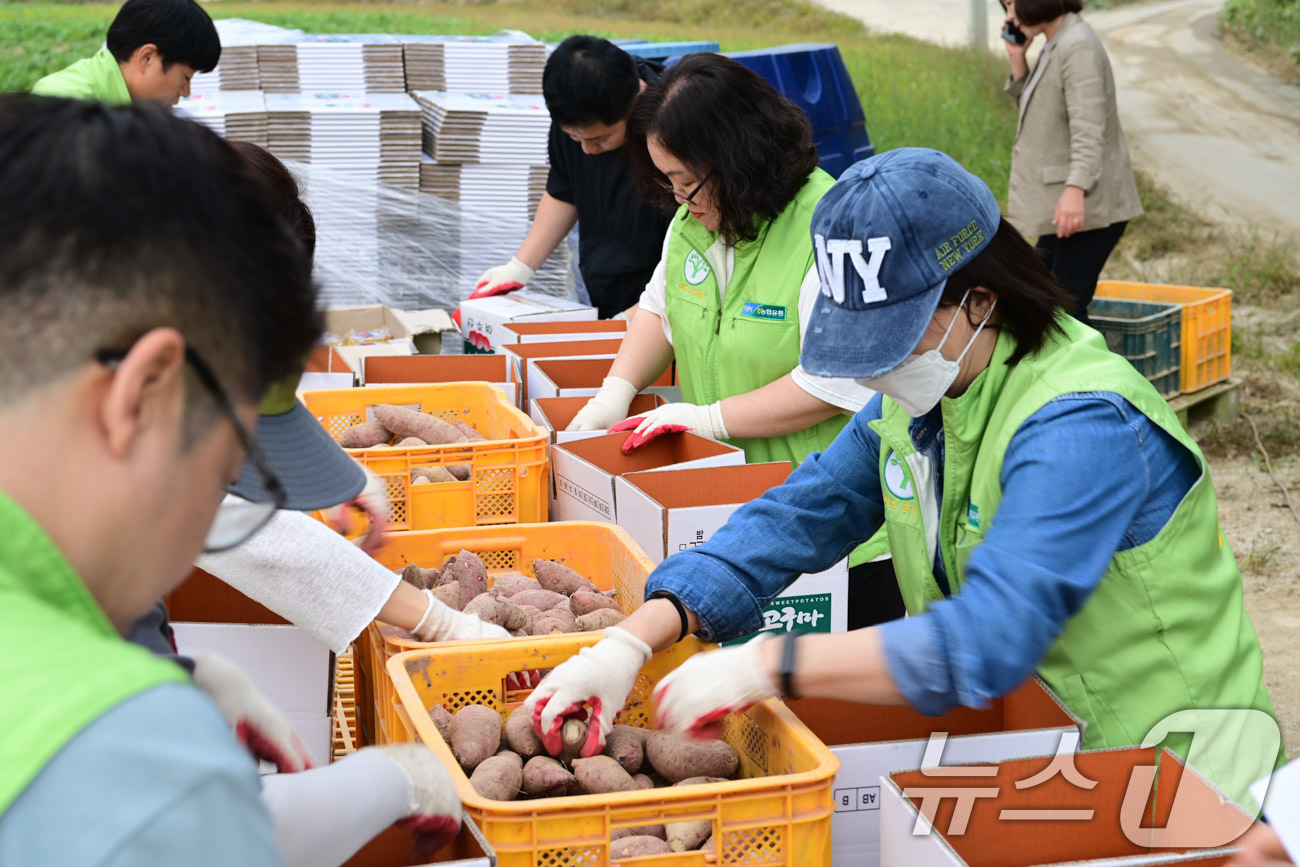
715, 145
1046, 512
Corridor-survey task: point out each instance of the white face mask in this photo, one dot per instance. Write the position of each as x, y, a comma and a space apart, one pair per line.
921, 381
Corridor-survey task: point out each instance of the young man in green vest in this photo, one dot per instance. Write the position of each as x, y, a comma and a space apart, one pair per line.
154, 48
1045, 510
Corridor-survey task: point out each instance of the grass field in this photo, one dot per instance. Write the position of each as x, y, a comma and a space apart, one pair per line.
1269, 30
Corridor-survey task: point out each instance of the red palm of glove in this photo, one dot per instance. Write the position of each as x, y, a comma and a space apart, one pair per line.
553, 738
264, 748
636, 440
432, 833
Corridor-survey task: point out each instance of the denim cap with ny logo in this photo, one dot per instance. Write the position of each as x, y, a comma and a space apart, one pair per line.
886, 237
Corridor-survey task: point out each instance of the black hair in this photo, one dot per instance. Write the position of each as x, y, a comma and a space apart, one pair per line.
284, 187
588, 79
1042, 11
728, 125
182, 30
117, 221
1029, 298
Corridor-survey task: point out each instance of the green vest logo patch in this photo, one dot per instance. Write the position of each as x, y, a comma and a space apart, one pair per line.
696, 269
896, 480
770, 312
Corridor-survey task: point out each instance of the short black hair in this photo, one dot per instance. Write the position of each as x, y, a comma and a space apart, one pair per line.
1029, 298
589, 79
727, 124
182, 30
117, 221
1042, 11
285, 190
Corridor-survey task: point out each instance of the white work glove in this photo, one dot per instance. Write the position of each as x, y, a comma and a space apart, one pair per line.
503, 278
373, 503
435, 809
260, 726
607, 407
672, 418
601, 677
709, 686
444, 623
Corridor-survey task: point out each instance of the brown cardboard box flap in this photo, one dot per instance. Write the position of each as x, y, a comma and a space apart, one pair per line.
438, 368
594, 327
559, 411
710, 486
587, 372
606, 452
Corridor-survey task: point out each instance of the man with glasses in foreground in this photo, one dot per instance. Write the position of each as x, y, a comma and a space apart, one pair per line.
151, 295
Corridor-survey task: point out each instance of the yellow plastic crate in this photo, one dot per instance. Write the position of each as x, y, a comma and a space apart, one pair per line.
509, 472
604, 553
1207, 326
777, 813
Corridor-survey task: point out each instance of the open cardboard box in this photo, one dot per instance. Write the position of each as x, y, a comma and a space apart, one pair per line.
482, 319
871, 742
392, 848
525, 355
581, 377
494, 369
287, 665
554, 332
555, 413
423, 328
585, 471
1180, 817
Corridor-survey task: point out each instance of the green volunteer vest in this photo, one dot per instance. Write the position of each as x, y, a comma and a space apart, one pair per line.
1164, 631
751, 338
62, 664
98, 78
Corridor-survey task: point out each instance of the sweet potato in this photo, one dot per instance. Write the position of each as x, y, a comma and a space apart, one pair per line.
678, 757
431, 474
460, 471
512, 616
542, 600
514, 582
707, 845
472, 575
409, 423
573, 734
599, 619
365, 435
635, 847
410, 443
484, 607
448, 594
685, 836
599, 775
642, 781
639, 831
695, 781
530, 613
520, 735
441, 721
584, 602
475, 734
552, 621
499, 777
422, 480
419, 577
626, 745
560, 578
545, 776
469, 433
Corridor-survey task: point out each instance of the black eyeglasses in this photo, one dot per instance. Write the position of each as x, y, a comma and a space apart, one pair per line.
689, 198
239, 519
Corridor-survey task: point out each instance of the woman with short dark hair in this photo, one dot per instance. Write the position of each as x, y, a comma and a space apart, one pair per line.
730, 299
1071, 179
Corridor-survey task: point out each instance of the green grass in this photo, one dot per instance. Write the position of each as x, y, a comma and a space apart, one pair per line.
1267, 27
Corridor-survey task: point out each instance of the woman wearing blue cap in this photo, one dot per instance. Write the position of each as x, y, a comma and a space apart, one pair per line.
1046, 511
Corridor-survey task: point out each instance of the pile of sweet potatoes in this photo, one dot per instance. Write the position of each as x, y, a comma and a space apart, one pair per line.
508, 762
409, 427
557, 600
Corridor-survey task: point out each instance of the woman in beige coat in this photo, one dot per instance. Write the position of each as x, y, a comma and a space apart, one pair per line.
1071, 179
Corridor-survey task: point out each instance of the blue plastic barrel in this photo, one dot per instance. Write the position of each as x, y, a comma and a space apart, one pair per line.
663, 50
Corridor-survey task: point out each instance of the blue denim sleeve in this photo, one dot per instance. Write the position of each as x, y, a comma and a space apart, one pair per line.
827, 507
1078, 476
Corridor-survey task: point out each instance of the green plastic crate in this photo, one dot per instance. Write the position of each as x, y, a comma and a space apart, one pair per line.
1147, 333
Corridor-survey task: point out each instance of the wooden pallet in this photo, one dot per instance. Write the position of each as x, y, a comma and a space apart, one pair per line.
1220, 402
345, 706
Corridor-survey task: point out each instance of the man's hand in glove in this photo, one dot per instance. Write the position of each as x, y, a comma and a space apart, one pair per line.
503, 278
608, 406
258, 724
671, 418
435, 809
592, 686
695, 697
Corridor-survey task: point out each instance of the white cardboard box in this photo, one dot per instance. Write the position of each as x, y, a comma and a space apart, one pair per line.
1206, 820
871, 742
581, 377
523, 355
585, 471
553, 414
481, 318
493, 369
555, 332
422, 327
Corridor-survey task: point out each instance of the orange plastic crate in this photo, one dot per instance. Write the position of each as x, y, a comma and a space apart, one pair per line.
777, 813
1207, 326
508, 483
604, 553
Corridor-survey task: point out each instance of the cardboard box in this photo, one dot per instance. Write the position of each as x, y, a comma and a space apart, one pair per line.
581, 377
493, 369
553, 332
291, 668
554, 414
585, 471
393, 847
871, 742
312, 380
325, 359
482, 318
423, 328
522, 355
1192, 810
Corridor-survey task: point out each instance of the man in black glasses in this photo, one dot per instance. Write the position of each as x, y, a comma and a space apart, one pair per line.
589, 86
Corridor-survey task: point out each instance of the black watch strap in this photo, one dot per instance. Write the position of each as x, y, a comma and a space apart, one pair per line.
681, 610
788, 664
